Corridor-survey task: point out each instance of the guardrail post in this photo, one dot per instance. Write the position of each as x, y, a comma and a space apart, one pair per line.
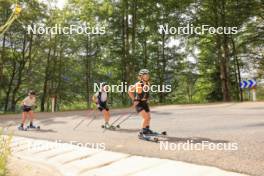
254, 94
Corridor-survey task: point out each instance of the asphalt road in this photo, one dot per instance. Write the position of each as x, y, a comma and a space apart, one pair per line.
239, 125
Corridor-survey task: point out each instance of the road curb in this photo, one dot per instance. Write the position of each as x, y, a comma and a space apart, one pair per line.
72, 160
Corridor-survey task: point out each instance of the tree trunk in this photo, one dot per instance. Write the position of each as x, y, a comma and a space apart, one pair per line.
29, 70
88, 72
2, 64
145, 61
59, 86
22, 64
124, 47
238, 70
2, 61
45, 85
225, 59
9, 88
53, 76
164, 63
128, 58
133, 58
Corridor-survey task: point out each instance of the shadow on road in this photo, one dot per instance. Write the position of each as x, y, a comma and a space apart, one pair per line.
52, 121
255, 125
127, 130
43, 131
161, 113
194, 140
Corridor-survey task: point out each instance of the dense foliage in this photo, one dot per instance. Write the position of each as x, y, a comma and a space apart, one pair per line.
200, 68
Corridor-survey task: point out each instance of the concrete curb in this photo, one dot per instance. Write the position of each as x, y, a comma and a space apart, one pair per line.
72, 160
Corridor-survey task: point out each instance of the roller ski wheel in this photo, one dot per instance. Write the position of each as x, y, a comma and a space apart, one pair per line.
164, 133
117, 126
155, 139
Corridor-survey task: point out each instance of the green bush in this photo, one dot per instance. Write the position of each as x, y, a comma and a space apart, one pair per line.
4, 152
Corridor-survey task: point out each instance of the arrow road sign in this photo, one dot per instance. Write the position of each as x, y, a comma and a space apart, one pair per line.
248, 84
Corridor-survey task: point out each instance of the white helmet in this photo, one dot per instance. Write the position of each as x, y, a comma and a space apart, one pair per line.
143, 72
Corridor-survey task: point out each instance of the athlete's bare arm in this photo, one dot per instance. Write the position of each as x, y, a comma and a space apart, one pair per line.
94, 99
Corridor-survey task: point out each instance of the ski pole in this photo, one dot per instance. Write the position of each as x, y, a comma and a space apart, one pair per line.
125, 119
120, 117
81, 121
94, 115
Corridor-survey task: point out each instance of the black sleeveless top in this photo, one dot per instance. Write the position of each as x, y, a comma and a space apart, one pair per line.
144, 95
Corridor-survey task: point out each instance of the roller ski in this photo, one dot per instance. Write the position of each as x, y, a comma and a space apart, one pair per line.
149, 135
33, 127
125, 118
107, 126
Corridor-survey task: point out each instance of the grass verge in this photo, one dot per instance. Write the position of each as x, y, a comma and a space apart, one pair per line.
5, 151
